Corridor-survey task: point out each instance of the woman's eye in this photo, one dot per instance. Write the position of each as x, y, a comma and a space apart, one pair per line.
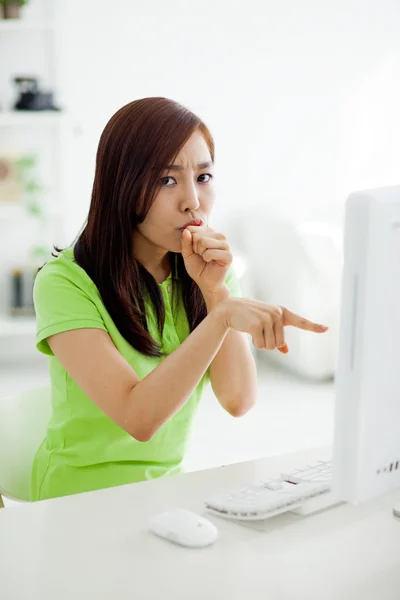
205, 178
167, 181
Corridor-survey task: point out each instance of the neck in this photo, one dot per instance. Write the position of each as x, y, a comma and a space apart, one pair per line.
154, 259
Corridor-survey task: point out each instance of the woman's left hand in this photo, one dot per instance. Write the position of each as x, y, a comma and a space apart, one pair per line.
207, 256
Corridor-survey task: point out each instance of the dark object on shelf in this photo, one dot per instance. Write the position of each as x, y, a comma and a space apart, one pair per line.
30, 97
17, 294
21, 292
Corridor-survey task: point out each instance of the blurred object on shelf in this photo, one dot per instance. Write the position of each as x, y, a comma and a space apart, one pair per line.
31, 97
11, 187
28, 175
20, 291
11, 9
33, 191
21, 184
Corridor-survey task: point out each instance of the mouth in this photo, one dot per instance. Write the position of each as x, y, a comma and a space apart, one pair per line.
192, 223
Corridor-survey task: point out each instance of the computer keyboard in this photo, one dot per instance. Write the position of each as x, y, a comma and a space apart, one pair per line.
274, 496
321, 472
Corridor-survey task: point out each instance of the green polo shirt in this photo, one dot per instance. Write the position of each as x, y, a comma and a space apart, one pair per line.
84, 449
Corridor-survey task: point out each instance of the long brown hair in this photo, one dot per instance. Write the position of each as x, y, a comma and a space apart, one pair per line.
136, 145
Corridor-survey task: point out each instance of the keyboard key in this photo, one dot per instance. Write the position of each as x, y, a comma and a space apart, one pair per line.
273, 485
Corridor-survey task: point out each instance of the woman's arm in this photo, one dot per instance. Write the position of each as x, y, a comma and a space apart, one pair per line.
233, 371
140, 407
207, 257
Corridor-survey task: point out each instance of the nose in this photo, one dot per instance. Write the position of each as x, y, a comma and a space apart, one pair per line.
191, 200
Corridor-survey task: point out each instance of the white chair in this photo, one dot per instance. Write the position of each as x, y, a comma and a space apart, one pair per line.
23, 422
297, 264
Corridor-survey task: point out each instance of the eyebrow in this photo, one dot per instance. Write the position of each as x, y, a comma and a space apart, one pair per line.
203, 165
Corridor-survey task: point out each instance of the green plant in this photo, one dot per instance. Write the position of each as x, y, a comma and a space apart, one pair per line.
27, 171
20, 2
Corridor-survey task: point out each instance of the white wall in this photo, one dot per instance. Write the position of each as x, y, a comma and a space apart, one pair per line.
302, 97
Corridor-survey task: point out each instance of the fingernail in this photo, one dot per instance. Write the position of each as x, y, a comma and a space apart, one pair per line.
284, 349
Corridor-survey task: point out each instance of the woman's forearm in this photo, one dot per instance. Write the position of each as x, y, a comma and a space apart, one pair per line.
233, 375
159, 395
233, 372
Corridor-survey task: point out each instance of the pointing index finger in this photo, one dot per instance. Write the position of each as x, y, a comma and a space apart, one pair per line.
293, 320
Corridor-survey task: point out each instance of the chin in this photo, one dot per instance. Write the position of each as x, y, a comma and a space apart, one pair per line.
170, 245
173, 245
176, 248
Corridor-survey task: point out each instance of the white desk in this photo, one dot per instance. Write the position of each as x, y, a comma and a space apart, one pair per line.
96, 546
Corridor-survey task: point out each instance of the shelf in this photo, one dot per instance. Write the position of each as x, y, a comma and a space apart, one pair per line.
17, 326
22, 25
11, 118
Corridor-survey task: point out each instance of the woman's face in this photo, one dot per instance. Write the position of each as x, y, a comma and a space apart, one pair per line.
186, 195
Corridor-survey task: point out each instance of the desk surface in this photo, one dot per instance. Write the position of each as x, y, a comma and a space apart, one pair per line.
96, 546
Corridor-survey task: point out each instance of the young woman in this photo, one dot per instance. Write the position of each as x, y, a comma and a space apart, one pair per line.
144, 310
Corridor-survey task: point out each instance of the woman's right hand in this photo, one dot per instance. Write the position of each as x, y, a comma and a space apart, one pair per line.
264, 322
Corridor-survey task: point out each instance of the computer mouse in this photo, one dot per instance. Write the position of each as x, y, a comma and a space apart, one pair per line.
184, 527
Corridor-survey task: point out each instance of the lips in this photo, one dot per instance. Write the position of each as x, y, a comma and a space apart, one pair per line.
192, 223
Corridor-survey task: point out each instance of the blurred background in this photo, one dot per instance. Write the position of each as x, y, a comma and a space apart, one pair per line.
303, 101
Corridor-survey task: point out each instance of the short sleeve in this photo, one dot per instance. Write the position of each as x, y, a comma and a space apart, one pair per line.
61, 305
232, 283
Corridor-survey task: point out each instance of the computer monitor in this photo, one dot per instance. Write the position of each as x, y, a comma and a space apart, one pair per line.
366, 458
